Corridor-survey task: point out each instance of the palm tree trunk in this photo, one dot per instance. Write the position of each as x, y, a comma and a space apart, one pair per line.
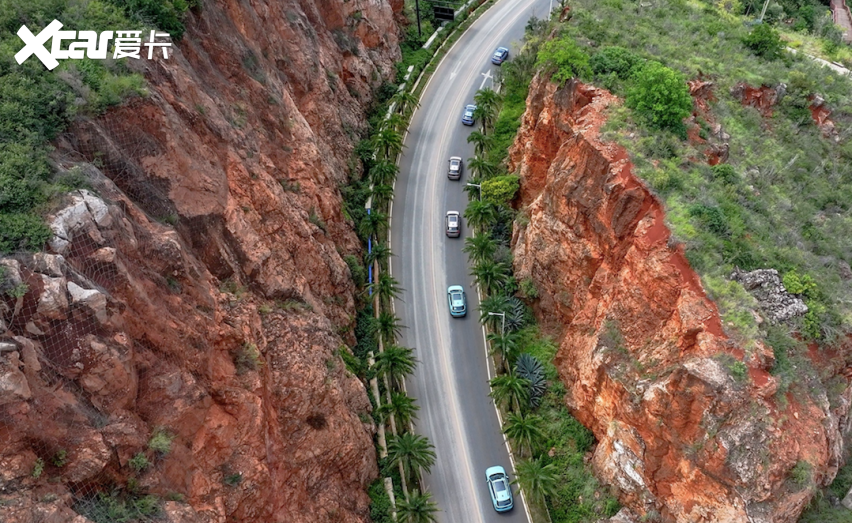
374, 388
404, 480
387, 382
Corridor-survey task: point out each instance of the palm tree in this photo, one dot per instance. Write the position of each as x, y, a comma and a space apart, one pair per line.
413, 451
387, 287
480, 142
536, 479
525, 430
389, 326
373, 223
480, 247
384, 173
406, 102
396, 122
387, 142
506, 346
481, 168
379, 253
381, 194
417, 508
480, 214
402, 407
493, 303
510, 391
490, 275
396, 363
487, 103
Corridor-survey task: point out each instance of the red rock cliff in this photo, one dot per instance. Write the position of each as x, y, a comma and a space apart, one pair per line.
199, 288
642, 350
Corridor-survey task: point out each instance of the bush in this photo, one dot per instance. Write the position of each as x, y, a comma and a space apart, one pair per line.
22, 232
501, 189
660, 96
161, 442
139, 462
725, 173
118, 507
765, 42
801, 473
564, 59
616, 60
164, 14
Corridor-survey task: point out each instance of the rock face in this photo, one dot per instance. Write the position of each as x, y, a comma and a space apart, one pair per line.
688, 423
198, 289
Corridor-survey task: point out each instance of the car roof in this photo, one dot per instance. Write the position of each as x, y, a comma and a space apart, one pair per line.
455, 288
490, 471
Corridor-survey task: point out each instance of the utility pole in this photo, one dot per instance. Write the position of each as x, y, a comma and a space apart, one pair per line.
417, 8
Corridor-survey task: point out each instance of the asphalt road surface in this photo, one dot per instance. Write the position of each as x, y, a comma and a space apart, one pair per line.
451, 380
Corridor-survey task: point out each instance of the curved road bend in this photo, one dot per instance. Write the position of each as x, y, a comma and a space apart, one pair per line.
451, 380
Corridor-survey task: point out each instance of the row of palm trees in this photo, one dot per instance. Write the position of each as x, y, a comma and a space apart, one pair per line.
409, 452
520, 383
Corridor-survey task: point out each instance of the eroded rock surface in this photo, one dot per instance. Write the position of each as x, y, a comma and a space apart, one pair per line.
686, 432
164, 302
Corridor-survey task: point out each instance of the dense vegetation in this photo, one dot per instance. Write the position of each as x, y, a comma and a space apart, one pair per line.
782, 199
36, 104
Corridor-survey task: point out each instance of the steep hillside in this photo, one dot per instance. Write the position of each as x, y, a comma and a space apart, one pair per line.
178, 342
690, 256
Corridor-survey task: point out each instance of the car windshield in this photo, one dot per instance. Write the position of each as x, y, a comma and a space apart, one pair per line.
457, 299
453, 220
498, 53
500, 486
468, 112
454, 164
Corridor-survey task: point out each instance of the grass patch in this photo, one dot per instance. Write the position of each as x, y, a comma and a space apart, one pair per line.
247, 358
783, 199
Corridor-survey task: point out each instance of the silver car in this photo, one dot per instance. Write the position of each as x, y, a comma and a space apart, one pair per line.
455, 170
453, 223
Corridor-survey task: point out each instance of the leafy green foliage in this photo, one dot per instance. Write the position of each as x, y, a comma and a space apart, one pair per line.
765, 42
380, 505
564, 59
161, 441
500, 189
614, 60
801, 473
139, 462
530, 368
660, 96
164, 14
37, 104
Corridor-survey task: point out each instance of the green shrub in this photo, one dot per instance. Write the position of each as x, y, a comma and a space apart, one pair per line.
359, 273
164, 14
799, 284
118, 507
725, 173
500, 189
801, 473
139, 462
161, 442
616, 60
380, 506
564, 58
22, 232
660, 96
765, 42
38, 468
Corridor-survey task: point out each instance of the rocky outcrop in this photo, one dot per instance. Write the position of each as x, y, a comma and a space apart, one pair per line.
773, 299
688, 422
197, 288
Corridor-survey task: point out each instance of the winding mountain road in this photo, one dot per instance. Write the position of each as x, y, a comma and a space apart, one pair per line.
451, 380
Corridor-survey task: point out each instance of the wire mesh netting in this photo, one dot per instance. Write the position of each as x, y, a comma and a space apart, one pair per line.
77, 444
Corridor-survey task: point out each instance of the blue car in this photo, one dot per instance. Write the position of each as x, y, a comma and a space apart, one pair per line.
467, 118
457, 301
500, 489
501, 54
